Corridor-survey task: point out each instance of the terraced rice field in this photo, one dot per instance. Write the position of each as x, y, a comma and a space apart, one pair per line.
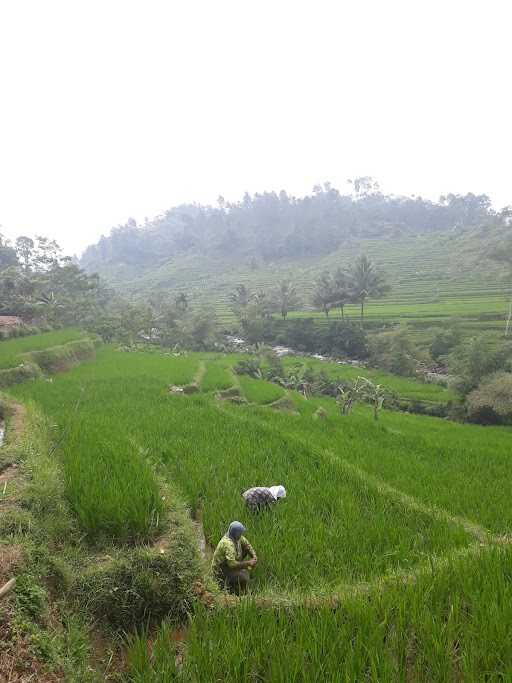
388, 560
402, 386
433, 278
11, 349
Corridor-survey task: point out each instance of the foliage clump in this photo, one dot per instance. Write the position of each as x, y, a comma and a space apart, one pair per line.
140, 585
491, 401
475, 358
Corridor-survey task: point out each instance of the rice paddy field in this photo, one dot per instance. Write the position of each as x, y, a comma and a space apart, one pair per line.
389, 559
402, 386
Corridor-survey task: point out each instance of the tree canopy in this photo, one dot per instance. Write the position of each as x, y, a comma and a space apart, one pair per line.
271, 226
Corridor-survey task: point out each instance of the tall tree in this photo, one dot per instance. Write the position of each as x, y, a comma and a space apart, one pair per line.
342, 290
366, 282
262, 304
324, 294
7, 254
286, 298
25, 250
240, 300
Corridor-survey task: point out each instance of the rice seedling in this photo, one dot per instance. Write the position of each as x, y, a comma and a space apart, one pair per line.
341, 524
217, 377
259, 391
448, 626
126, 419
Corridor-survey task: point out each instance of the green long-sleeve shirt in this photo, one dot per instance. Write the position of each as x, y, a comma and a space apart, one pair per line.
229, 553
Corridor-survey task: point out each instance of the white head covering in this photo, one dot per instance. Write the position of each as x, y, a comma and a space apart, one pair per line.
278, 491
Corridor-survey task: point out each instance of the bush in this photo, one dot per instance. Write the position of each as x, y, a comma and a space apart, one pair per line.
395, 352
250, 367
19, 374
474, 359
491, 402
443, 342
140, 586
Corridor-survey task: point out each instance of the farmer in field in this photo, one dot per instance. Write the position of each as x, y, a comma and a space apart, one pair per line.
260, 497
229, 565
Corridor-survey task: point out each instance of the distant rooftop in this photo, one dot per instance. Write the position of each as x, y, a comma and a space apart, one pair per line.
10, 321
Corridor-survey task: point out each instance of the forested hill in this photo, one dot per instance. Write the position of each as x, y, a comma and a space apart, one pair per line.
272, 226
206, 250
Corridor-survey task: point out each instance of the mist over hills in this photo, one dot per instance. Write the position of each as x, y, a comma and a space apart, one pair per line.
441, 246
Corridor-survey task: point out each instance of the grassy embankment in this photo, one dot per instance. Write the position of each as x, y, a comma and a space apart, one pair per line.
131, 561
11, 350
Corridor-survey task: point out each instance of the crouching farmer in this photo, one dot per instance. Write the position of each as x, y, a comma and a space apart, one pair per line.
229, 565
260, 497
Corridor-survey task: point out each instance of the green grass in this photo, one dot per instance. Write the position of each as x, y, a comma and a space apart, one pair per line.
458, 467
11, 349
337, 527
260, 391
217, 377
125, 417
109, 481
405, 387
452, 625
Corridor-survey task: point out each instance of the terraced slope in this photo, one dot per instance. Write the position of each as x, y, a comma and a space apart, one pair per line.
389, 559
433, 277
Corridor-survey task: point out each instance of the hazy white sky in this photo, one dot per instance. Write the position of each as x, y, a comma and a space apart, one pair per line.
118, 108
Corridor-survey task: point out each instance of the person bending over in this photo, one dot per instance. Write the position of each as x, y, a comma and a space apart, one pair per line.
260, 497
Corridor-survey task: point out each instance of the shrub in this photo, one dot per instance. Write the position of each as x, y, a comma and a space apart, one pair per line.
140, 586
395, 352
474, 359
250, 367
443, 342
19, 374
491, 402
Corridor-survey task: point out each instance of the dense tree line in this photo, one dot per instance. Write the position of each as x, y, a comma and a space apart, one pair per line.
39, 284
269, 226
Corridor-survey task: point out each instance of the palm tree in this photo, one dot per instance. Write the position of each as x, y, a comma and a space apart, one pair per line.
51, 306
366, 282
323, 296
262, 304
240, 300
286, 298
342, 290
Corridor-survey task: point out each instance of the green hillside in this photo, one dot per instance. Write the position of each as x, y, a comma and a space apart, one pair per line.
432, 277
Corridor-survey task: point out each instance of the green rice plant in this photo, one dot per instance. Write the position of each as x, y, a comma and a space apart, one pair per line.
217, 377
126, 419
454, 466
452, 625
155, 662
259, 391
403, 386
10, 350
110, 485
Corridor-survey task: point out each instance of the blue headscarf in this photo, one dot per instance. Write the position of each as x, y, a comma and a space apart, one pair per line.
235, 530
